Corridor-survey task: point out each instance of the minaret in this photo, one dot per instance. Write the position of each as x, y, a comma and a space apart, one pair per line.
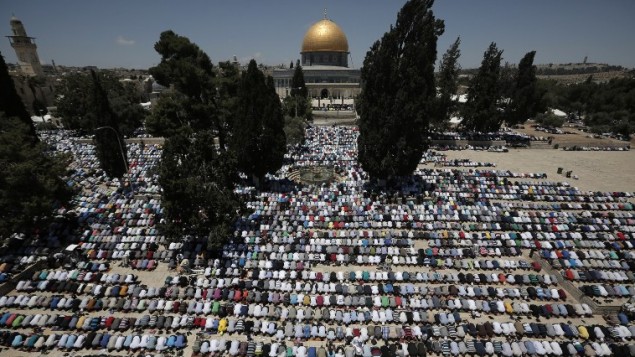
25, 49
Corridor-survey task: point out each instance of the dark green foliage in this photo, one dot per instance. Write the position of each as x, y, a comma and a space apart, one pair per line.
398, 93
196, 176
197, 183
258, 138
294, 128
448, 84
10, 103
525, 99
31, 184
74, 102
481, 112
168, 115
109, 143
606, 106
299, 105
186, 69
550, 120
185, 66
227, 82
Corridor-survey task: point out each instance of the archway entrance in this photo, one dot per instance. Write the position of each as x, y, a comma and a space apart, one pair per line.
324, 93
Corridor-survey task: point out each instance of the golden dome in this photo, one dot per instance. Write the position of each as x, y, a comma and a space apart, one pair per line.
325, 36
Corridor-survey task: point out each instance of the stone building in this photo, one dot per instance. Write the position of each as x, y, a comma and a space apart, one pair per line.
325, 58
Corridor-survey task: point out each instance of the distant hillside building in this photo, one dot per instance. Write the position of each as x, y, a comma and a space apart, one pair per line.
25, 49
324, 58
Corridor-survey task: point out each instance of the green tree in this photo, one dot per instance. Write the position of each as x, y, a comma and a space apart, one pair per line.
109, 142
10, 102
447, 83
31, 184
188, 70
481, 111
294, 129
168, 116
398, 93
525, 99
197, 188
258, 138
298, 106
74, 100
550, 120
227, 82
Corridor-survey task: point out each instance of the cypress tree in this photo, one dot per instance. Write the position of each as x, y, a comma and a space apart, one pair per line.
525, 101
481, 111
448, 85
299, 92
109, 143
398, 93
258, 139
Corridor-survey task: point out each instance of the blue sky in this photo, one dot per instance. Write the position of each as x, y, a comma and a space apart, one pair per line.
118, 33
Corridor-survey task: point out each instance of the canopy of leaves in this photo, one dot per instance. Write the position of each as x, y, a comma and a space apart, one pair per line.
188, 71
258, 137
550, 120
294, 128
481, 112
606, 106
10, 102
398, 93
197, 183
31, 184
74, 98
109, 143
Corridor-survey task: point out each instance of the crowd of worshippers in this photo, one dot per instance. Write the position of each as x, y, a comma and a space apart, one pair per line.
435, 263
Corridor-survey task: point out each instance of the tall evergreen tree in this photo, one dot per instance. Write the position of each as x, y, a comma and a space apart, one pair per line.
10, 102
258, 138
481, 111
448, 85
299, 93
398, 93
525, 101
109, 143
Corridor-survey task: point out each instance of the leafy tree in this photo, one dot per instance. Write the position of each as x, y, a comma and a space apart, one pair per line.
10, 102
525, 100
481, 111
169, 115
197, 184
294, 128
258, 139
31, 184
109, 143
550, 120
74, 102
188, 70
448, 84
398, 93
605, 107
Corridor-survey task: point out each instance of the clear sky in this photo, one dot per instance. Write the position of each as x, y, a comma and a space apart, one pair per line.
121, 33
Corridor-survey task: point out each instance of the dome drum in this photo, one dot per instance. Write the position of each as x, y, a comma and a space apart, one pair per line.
325, 44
